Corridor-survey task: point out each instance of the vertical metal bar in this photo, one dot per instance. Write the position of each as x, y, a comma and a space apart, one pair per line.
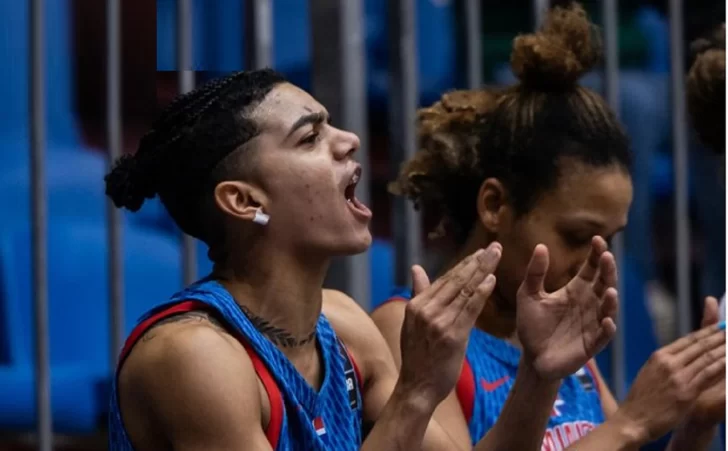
680, 163
611, 88
403, 95
540, 7
473, 33
113, 138
259, 33
186, 84
39, 223
339, 73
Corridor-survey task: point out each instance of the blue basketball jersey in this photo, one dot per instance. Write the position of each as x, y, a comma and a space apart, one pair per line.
493, 362
488, 374
329, 419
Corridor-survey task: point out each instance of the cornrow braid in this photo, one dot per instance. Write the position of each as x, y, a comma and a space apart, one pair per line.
176, 158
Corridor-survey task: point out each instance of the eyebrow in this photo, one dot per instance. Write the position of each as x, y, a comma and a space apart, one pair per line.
596, 224
313, 118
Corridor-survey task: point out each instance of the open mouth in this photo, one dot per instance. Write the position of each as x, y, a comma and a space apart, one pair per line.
359, 209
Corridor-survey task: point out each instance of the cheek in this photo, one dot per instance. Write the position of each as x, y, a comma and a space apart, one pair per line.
564, 264
305, 196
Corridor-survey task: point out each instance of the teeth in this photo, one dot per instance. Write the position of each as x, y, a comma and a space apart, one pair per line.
354, 179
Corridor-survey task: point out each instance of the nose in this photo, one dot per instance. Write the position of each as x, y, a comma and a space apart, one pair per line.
345, 144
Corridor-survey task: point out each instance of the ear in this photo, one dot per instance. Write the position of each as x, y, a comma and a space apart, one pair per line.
492, 205
239, 200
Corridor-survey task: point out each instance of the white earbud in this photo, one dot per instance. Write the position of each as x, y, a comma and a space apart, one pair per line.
260, 217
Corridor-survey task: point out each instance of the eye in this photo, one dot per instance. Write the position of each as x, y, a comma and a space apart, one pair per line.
310, 139
576, 240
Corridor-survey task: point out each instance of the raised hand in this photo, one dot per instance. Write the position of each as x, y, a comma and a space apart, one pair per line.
709, 408
438, 321
561, 331
667, 386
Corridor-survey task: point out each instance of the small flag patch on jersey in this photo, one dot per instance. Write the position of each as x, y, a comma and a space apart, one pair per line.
318, 425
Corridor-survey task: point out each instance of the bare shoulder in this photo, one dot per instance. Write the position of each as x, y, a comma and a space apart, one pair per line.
357, 330
350, 321
194, 383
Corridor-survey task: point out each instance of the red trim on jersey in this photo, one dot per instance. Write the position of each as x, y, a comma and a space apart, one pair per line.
144, 326
465, 390
273, 430
594, 377
275, 423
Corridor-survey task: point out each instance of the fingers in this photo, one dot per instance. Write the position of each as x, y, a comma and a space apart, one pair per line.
474, 305
705, 347
609, 307
420, 281
684, 342
440, 282
590, 267
710, 312
459, 284
475, 292
607, 274
702, 375
607, 330
532, 285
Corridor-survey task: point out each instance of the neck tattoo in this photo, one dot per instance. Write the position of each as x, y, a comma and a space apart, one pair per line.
278, 336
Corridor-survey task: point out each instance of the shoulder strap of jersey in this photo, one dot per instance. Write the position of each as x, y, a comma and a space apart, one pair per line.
465, 390
275, 398
354, 383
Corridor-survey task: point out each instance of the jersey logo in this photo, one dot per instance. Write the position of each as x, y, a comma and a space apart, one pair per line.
584, 379
495, 385
318, 425
564, 435
555, 412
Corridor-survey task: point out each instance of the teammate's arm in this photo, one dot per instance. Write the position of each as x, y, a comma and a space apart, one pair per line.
661, 394
199, 389
526, 410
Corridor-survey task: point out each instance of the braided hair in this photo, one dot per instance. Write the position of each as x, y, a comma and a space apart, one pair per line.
184, 155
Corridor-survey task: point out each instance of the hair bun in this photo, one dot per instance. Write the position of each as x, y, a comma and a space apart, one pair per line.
560, 53
126, 184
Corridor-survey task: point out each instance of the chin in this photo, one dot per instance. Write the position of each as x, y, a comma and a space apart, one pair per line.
355, 244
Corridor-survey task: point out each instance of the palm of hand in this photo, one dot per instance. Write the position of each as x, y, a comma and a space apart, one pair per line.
559, 330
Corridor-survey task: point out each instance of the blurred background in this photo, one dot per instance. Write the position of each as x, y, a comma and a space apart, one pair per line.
76, 144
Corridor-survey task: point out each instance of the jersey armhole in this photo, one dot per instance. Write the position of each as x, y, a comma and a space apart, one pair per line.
465, 390
275, 423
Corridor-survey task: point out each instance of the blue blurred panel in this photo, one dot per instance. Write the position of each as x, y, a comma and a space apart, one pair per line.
73, 398
219, 36
436, 49
15, 73
78, 312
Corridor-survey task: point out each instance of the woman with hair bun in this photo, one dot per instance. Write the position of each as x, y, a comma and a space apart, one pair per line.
543, 167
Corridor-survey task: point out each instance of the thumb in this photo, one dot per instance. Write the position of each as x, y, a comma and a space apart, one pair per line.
710, 312
420, 281
532, 285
